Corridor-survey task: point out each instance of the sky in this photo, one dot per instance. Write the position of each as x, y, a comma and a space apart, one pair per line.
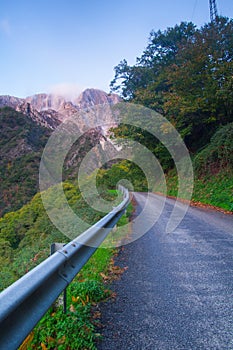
66, 46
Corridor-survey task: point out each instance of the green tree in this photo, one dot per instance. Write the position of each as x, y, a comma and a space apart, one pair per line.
200, 83
148, 71
186, 74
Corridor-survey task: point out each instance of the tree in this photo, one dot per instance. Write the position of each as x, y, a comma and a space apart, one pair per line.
200, 93
160, 52
187, 75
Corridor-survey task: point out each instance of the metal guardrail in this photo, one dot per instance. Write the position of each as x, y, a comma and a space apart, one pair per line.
24, 303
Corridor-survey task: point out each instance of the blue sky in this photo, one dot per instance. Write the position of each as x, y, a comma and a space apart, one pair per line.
65, 46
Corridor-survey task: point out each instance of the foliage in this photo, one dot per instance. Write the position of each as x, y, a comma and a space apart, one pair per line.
217, 154
185, 73
64, 331
121, 171
21, 145
77, 329
130, 132
160, 51
215, 189
22, 142
26, 235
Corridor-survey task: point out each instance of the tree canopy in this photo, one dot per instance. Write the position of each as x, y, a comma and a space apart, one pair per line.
186, 74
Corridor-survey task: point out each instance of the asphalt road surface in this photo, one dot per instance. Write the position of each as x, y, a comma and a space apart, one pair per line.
177, 292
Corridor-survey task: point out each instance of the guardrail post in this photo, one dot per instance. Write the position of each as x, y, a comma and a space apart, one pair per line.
54, 247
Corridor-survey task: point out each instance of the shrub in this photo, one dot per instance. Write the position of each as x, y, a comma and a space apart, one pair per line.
217, 154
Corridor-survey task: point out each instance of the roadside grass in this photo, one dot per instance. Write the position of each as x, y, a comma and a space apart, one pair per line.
211, 189
121, 232
78, 328
216, 190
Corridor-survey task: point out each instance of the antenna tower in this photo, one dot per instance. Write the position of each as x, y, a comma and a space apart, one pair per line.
213, 10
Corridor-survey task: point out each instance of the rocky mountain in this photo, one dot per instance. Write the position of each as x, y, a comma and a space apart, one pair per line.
47, 118
92, 97
50, 110
43, 102
10, 101
25, 126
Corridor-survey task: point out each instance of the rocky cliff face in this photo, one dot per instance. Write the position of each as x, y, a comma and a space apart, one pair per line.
26, 126
50, 110
93, 97
10, 101
90, 112
47, 118
87, 99
43, 102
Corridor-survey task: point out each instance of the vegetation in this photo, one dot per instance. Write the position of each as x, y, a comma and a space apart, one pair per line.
26, 234
22, 142
25, 237
78, 328
21, 145
210, 189
215, 189
108, 179
186, 74
217, 154
213, 182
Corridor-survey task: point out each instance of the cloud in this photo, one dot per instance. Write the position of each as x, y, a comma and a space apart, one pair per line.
68, 90
5, 27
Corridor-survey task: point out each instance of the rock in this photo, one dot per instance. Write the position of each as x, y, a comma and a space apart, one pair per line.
93, 97
50, 110
90, 112
43, 102
10, 101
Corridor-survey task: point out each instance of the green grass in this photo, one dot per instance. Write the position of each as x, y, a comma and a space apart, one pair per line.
125, 218
216, 190
211, 189
78, 328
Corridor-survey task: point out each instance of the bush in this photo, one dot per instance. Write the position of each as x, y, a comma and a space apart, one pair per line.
217, 154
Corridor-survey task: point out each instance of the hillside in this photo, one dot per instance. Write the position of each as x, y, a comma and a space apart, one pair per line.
25, 127
21, 145
27, 233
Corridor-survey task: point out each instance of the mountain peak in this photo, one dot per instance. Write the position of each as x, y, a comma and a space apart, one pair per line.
91, 97
42, 102
50, 110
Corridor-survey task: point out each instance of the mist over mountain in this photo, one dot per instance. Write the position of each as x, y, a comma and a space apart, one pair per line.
25, 127
50, 110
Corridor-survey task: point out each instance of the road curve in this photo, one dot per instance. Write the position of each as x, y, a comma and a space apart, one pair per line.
177, 292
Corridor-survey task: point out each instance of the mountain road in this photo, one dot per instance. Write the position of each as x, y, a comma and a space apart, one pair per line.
177, 291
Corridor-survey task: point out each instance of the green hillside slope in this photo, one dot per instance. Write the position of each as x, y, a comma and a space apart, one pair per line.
21, 145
